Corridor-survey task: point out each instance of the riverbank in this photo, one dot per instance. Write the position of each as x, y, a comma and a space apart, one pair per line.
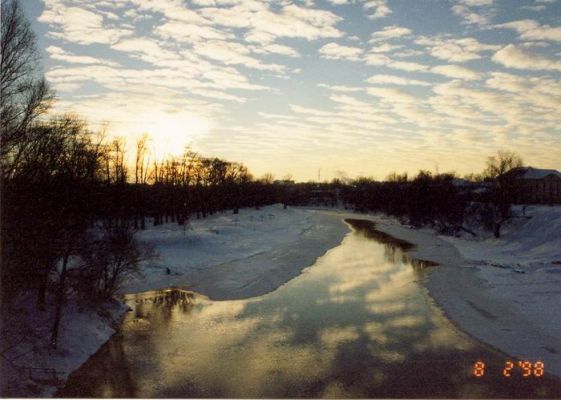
30, 366
235, 256
226, 256
504, 292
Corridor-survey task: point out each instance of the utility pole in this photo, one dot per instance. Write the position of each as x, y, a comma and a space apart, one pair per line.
319, 175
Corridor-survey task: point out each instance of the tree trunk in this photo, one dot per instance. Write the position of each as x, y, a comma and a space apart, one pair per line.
497, 230
59, 301
42, 293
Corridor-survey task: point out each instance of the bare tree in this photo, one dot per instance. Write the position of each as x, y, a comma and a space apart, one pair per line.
396, 177
498, 165
24, 93
120, 170
504, 187
267, 178
140, 169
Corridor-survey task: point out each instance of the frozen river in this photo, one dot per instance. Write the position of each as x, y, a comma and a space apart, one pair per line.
357, 323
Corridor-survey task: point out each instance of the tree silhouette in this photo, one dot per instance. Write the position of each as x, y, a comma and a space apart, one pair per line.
505, 188
25, 94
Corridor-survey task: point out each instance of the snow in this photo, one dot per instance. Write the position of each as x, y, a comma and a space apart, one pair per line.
522, 271
225, 256
505, 292
530, 241
538, 173
232, 256
83, 331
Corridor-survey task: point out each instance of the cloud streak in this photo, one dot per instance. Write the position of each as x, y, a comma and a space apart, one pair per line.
338, 80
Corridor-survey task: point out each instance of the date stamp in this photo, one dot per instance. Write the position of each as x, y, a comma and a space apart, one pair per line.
524, 369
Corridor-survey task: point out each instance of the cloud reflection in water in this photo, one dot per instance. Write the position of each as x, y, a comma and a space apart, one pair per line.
356, 324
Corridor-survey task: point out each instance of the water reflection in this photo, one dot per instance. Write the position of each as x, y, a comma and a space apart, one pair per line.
355, 324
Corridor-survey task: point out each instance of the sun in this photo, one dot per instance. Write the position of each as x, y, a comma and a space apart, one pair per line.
170, 133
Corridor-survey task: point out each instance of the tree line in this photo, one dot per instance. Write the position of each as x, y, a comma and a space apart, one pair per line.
70, 202
443, 201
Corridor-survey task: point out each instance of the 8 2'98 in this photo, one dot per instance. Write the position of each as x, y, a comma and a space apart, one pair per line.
526, 369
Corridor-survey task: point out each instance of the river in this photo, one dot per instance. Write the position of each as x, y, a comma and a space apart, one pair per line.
357, 323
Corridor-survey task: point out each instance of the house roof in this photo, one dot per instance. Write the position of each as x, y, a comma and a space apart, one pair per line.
534, 173
461, 182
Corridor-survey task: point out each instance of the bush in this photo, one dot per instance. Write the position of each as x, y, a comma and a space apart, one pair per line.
112, 254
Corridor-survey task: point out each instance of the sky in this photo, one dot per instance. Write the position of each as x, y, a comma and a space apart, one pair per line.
334, 88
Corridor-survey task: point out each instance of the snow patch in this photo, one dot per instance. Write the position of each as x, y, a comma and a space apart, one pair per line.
505, 292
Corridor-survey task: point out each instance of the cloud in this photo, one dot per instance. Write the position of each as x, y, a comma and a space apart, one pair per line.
276, 116
276, 49
348, 100
523, 84
385, 48
217, 94
455, 71
455, 50
474, 12
408, 66
476, 3
507, 82
390, 32
66, 87
78, 25
408, 53
123, 79
534, 8
307, 110
307, 23
532, 30
233, 53
148, 50
380, 8
512, 57
189, 32
57, 53
221, 59
340, 88
395, 80
392, 95
403, 105
263, 24
336, 51
377, 59
171, 9
380, 59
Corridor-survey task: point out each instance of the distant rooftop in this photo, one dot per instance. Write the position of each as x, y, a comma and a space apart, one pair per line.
461, 182
534, 173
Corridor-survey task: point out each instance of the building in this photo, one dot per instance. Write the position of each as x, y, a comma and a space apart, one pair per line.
287, 182
537, 185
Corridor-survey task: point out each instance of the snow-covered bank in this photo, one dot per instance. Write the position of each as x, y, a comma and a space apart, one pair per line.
505, 292
232, 256
83, 331
226, 256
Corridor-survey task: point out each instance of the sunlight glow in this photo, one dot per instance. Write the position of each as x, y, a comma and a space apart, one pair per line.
170, 133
